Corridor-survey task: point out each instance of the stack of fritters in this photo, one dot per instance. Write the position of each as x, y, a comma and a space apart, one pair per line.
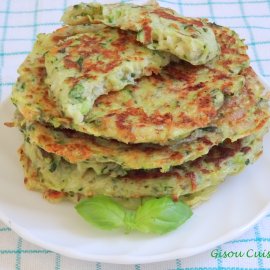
164, 106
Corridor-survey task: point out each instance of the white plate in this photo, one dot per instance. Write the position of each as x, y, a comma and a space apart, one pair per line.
237, 205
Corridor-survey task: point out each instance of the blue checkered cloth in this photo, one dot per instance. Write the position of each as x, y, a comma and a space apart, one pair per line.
20, 21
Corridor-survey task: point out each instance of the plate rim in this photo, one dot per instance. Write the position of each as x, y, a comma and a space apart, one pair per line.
127, 259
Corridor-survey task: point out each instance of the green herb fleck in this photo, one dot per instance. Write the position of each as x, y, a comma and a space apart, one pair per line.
76, 93
53, 166
209, 129
80, 62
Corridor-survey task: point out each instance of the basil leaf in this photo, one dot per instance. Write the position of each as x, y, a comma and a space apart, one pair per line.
161, 215
102, 212
129, 220
153, 216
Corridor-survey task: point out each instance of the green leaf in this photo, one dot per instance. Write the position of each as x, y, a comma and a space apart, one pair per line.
153, 216
130, 220
102, 212
161, 215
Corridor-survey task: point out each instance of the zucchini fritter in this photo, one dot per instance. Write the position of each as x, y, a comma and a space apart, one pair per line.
223, 160
92, 62
157, 28
240, 116
158, 109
